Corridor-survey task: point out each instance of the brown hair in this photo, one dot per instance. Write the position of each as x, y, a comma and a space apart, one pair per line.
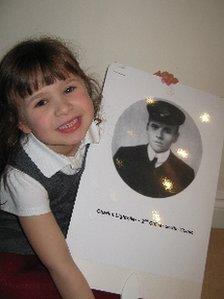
28, 66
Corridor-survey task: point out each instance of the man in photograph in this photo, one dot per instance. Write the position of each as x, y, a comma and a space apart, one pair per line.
152, 169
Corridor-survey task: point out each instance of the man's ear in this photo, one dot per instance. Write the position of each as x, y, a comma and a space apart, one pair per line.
24, 127
175, 137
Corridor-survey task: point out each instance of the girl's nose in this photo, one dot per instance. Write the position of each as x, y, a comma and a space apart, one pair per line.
62, 106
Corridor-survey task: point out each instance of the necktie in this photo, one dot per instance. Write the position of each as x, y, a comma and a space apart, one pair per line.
153, 162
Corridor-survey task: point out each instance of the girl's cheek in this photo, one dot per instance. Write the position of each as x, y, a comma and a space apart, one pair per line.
39, 121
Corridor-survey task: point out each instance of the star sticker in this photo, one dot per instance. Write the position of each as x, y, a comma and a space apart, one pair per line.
205, 117
149, 101
131, 133
167, 184
156, 216
182, 153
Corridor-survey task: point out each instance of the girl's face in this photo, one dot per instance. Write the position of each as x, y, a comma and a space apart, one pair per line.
59, 115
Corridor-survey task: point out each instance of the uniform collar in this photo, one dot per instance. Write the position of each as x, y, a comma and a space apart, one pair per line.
161, 157
50, 162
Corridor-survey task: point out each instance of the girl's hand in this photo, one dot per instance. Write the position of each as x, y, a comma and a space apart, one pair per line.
49, 244
167, 78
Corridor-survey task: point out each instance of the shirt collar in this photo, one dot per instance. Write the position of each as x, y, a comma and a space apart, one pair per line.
50, 162
161, 157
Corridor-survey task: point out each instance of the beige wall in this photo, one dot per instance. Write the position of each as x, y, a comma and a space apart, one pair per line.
184, 37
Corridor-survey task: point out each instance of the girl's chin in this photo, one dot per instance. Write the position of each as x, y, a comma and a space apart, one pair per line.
66, 150
75, 140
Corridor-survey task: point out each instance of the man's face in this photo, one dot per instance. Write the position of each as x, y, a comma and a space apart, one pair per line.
161, 136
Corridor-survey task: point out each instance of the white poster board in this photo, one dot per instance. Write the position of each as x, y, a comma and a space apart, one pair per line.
116, 231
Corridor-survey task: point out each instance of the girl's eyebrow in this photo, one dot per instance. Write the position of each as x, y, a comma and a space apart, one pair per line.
69, 80
40, 94
35, 96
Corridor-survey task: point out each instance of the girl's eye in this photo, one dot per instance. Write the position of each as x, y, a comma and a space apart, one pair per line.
41, 103
70, 89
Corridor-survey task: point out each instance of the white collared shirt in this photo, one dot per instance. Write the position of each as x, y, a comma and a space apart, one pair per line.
161, 157
23, 195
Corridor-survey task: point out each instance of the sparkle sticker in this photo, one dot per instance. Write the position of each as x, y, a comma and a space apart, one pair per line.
167, 184
205, 117
182, 153
149, 101
156, 216
119, 163
131, 133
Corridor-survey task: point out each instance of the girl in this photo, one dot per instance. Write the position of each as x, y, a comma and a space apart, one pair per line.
47, 105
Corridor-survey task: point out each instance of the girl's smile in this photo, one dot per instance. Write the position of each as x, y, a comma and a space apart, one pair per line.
59, 114
71, 126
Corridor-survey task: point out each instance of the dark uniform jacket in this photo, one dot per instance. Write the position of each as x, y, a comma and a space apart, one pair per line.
139, 173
